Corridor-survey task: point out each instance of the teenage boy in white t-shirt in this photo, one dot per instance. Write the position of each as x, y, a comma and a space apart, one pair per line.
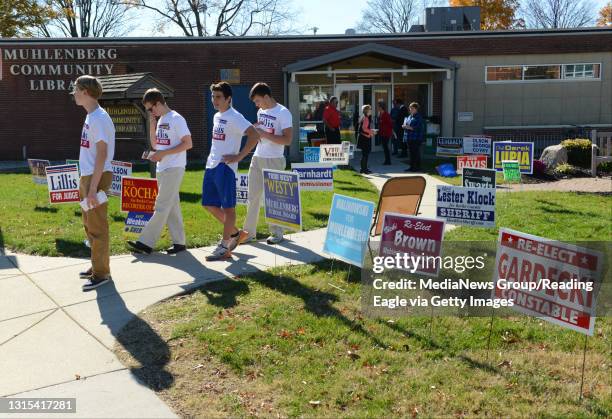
219, 185
274, 125
170, 138
96, 153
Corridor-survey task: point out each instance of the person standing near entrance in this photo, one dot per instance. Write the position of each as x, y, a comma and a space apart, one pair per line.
402, 113
413, 126
96, 152
219, 185
385, 126
331, 119
171, 139
274, 125
365, 137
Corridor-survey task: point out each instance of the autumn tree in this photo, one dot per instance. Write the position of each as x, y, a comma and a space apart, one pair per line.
552, 14
21, 17
605, 16
495, 14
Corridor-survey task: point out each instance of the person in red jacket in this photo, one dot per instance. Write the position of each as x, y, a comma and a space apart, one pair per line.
331, 119
385, 130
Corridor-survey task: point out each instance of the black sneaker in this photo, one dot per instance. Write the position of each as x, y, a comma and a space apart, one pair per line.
139, 247
94, 282
175, 249
86, 274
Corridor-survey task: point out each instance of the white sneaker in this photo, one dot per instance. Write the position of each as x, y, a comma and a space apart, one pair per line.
274, 239
220, 253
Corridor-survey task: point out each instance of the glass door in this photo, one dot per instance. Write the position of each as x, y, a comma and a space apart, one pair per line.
350, 99
380, 93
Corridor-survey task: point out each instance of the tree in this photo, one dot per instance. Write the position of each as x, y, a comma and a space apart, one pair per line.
605, 16
558, 13
86, 18
222, 17
20, 17
495, 14
392, 16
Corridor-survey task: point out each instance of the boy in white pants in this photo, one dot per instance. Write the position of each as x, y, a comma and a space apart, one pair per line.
274, 125
171, 139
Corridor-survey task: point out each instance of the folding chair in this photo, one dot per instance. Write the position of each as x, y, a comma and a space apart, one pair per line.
401, 195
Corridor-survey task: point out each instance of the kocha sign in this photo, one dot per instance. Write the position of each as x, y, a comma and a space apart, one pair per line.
479, 178
282, 203
120, 169
138, 194
136, 222
242, 189
477, 144
521, 152
315, 176
414, 236
551, 280
449, 146
37, 167
348, 228
311, 154
63, 183
468, 206
334, 153
474, 162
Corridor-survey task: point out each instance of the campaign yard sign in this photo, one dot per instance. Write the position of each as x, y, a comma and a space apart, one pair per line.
512, 171
138, 194
71, 161
474, 161
136, 221
120, 169
477, 144
333, 153
63, 183
315, 176
449, 146
311, 154
552, 280
521, 152
414, 236
348, 228
37, 167
282, 203
468, 206
242, 189
479, 178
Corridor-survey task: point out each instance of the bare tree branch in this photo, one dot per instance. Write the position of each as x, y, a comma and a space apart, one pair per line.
558, 13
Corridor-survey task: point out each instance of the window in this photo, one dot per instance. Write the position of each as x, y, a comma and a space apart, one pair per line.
312, 99
521, 73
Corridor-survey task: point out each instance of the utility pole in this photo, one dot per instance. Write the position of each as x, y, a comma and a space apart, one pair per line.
314, 30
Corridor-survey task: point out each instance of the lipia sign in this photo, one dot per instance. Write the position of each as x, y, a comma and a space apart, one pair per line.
55, 68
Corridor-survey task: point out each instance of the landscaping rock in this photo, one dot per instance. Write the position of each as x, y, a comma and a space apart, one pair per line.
553, 156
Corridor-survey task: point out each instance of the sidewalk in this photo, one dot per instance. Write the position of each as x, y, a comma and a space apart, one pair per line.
56, 341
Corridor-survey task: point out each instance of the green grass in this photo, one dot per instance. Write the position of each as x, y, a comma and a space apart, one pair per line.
30, 224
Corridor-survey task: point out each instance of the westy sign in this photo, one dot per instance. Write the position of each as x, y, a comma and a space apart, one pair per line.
548, 279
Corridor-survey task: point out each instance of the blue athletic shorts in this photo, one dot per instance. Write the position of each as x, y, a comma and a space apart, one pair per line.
219, 187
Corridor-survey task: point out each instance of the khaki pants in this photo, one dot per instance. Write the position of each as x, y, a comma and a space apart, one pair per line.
256, 192
167, 209
95, 222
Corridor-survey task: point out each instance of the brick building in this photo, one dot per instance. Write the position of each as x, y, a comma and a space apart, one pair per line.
505, 82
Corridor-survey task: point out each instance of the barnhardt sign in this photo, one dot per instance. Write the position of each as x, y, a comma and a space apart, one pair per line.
64, 63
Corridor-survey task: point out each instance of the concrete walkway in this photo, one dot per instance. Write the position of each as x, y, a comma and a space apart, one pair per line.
56, 341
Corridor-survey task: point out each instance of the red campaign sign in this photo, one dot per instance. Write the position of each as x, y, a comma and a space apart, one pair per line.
473, 162
548, 279
415, 236
138, 194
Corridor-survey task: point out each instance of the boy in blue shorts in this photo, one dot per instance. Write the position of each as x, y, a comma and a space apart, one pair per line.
219, 186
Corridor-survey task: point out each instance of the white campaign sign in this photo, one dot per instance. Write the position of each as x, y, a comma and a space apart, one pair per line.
120, 169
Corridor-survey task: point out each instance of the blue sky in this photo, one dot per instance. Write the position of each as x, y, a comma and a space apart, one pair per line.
330, 16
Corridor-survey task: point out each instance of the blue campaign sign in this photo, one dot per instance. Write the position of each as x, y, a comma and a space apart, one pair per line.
510, 150
282, 203
348, 228
311, 154
136, 221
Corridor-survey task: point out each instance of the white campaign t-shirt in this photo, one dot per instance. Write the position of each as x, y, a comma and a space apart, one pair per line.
171, 127
274, 121
98, 126
228, 129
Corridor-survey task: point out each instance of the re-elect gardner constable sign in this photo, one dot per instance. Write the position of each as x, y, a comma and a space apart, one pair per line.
548, 279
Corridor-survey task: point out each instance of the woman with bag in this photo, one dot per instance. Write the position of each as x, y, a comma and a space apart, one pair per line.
364, 141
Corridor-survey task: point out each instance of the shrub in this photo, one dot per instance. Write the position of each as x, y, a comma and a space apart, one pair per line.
578, 152
604, 167
565, 169
539, 168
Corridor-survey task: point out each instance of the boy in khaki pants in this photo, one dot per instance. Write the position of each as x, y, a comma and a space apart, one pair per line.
96, 153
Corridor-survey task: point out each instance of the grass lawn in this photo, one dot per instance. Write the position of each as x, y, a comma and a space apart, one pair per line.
294, 342
31, 225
